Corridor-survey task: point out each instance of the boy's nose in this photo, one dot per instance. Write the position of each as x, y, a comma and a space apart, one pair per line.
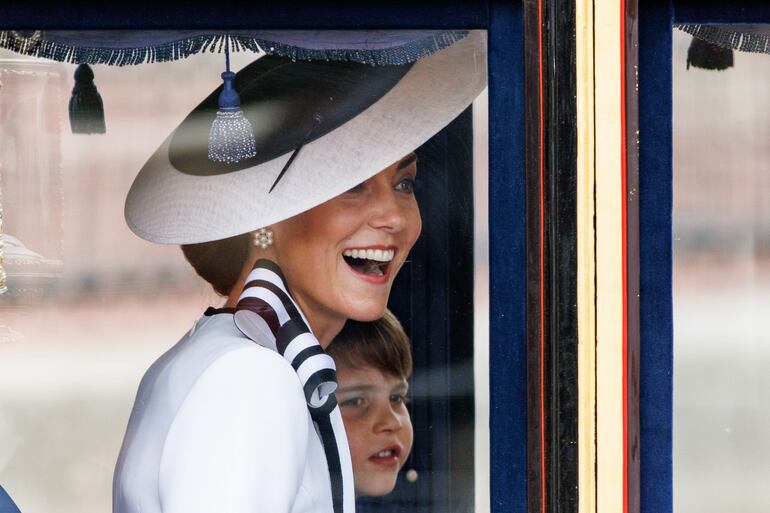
387, 420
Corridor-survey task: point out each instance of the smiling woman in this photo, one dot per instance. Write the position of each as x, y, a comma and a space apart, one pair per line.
325, 225
319, 227
377, 222
359, 241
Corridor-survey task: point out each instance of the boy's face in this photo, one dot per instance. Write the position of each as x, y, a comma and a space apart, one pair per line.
377, 424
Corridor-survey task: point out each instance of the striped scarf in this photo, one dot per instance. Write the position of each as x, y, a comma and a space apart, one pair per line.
267, 314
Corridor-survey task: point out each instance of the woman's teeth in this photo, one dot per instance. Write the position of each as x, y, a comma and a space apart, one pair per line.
385, 454
373, 262
379, 255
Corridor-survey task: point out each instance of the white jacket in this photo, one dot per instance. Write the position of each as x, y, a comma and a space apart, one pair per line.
221, 424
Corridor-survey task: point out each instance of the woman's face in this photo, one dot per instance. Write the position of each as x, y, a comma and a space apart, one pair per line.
340, 258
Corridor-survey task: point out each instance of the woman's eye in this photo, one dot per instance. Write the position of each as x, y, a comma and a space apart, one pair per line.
406, 185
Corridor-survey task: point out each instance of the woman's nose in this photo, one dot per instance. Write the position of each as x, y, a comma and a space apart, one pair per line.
387, 212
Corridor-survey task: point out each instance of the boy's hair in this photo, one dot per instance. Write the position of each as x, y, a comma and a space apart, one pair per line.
381, 344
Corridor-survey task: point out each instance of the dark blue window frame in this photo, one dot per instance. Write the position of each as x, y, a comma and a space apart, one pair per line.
655, 193
503, 20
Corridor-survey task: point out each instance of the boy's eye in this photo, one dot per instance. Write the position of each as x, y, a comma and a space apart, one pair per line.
399, 398
355, 402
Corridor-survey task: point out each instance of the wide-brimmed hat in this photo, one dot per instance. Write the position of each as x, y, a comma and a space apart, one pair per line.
336, 123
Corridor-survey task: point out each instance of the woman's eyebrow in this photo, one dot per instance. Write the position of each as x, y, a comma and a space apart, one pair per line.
406, 161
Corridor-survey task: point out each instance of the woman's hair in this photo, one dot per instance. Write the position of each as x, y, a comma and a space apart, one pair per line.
219, 262
381, 344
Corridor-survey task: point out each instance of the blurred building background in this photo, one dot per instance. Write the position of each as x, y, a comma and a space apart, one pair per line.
721, 284
94, 305
89, 304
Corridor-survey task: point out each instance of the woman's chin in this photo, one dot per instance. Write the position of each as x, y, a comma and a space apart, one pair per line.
365, 302
367, 313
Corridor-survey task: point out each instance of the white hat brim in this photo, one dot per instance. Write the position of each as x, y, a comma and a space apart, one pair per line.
167, 206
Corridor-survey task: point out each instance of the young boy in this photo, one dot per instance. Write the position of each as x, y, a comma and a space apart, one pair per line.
373, 362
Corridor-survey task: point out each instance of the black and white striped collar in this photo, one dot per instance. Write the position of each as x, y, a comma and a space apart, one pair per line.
268, 315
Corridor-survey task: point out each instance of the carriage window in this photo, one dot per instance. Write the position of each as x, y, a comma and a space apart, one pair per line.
721, 268
86, 306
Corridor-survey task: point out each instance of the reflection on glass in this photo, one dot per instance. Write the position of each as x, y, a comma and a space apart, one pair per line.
30, 177
3, 288
721, 283
90, 306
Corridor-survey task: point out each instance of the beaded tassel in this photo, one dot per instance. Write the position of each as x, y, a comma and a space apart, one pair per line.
231, 138
86, 108
705, 55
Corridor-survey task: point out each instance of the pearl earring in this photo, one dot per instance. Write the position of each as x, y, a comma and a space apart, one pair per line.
263, 238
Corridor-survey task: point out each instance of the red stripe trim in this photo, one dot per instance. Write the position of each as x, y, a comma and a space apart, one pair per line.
541, 166
624, 243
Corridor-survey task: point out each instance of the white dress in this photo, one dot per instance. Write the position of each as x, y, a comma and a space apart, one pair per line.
221, 424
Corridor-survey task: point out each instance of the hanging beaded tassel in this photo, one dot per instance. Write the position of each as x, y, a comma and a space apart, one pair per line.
86, 108
231, 138
705, 55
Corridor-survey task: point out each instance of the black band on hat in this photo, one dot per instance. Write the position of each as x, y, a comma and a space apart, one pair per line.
283, 100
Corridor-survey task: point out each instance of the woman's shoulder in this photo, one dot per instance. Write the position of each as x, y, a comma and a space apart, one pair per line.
226, 355
245, 412
224, 389
251, 364
215, 354
237, 390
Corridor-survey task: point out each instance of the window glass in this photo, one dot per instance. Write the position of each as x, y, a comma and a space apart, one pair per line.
721, 281
89, 306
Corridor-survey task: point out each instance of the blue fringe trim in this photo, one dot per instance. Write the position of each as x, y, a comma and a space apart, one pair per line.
742, 41
33, 46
